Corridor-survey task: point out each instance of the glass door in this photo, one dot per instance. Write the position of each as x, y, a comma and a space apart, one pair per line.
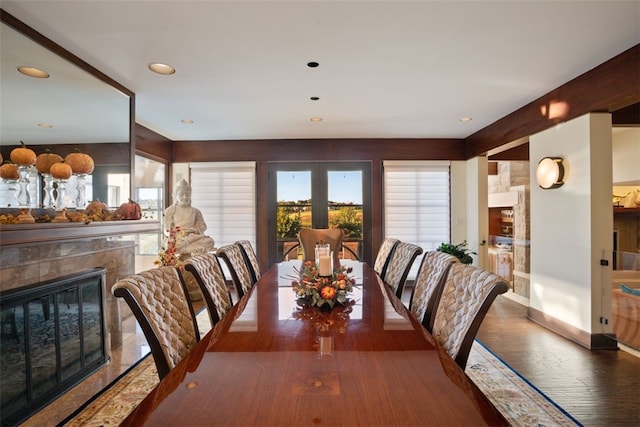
318, 195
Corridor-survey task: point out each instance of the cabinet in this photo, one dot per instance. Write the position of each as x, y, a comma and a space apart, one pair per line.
501, 263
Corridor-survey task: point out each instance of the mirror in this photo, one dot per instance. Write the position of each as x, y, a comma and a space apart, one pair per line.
85, 109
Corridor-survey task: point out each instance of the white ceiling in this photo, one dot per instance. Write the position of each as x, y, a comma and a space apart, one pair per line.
388, 69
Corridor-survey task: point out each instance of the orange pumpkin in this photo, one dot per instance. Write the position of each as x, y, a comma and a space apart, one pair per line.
328, 293
97, 208
60, 171
45, 160
130, 210
80, 163
23, 156
9, 171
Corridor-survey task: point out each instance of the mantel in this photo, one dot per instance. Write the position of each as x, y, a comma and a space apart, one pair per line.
18, 234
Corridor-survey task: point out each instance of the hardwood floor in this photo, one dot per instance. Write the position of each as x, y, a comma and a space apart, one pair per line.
598, 388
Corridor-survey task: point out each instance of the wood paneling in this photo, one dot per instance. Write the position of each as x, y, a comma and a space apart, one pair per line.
116, 153
152, 143
610, 86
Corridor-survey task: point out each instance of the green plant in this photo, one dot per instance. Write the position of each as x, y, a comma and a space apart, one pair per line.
460, 251
288, 222
348, 220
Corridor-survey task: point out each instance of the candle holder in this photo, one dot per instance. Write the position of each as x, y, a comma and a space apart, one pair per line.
12, 186
324, 259
24, 197
61, 186
49, 196
81, 203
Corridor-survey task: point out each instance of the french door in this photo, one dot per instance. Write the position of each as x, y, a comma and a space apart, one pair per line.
319, 195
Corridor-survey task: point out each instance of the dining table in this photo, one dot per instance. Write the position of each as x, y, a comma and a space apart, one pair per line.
273, 362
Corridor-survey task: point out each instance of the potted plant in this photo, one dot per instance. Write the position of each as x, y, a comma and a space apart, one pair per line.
460, 251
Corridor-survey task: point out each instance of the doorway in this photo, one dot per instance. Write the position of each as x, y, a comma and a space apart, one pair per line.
319, 195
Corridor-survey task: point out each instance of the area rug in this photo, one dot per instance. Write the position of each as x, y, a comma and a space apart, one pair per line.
519, 401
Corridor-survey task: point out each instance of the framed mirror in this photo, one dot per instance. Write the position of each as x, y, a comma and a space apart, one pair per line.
76, 107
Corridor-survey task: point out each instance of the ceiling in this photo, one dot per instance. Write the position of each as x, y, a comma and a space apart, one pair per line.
387, 69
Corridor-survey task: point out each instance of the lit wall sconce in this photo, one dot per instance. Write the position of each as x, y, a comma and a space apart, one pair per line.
550, 173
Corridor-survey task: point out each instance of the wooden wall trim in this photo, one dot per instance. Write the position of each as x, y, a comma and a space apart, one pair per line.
608, 87
152, 143
318, 149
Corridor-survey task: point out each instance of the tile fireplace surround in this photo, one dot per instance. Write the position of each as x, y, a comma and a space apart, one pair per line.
39, 253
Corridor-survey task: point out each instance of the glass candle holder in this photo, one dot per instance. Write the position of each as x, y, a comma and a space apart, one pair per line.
12, 196
24, 197
324, 259
49, 196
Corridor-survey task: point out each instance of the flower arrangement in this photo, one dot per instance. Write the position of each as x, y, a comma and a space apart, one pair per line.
316, 291
167, 255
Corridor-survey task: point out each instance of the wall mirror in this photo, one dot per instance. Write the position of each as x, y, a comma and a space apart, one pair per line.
75, 107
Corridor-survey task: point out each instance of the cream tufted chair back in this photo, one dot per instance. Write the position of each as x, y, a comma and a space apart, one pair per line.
428, 287
210, 278
400, 263
158, 300
466, 297
240, 275
384, 254
250, 258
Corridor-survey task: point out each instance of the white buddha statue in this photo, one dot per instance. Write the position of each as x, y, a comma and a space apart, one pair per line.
191, 238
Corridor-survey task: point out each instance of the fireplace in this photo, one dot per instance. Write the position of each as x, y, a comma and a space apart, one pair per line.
52, 337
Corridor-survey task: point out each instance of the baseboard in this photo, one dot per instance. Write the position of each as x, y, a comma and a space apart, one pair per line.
583, 338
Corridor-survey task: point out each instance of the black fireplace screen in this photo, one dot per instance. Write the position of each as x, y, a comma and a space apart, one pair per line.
52, 336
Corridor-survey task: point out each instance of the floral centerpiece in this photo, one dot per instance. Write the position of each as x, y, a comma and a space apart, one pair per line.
314, 290
168, 255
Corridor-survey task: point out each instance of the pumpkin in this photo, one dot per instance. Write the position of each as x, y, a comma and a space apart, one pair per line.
130, 210
80, 163
96, 208
23, 156
45, 160
9, 171
61, 171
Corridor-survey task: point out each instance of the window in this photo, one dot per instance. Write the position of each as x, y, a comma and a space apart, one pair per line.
225, 194
416, 203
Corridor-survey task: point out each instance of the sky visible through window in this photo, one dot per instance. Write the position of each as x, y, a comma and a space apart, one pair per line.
344, 186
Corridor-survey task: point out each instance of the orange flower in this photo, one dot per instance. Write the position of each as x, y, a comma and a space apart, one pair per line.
328, 293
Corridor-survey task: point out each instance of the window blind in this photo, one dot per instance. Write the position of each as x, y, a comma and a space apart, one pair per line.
417, 203
225, 194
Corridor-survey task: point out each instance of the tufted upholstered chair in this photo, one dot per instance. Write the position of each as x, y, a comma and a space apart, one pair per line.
308, 238
250, 258
210, 278
384, 255
428, 287
240, 275
158, 300
399, 266
466, 297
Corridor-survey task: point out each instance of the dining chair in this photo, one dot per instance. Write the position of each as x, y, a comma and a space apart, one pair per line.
467, 295
158, 300
240, 275
250, 258
308, 238
428, 286
400, 263
210, 278
384, 255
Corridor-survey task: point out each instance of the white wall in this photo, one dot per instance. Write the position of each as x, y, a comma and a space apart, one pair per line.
571, 227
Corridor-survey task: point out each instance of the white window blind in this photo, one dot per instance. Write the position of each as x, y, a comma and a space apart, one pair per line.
417, 203
225, 193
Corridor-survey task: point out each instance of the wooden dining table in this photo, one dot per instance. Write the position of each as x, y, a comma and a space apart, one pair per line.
271, 362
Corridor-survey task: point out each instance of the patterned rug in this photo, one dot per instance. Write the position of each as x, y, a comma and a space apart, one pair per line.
520, 402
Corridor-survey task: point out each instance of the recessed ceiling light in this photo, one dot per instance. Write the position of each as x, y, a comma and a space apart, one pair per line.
314, 98
33, 72
465, 119
187, 121
160, 68
312, 64
45, 125
316, 119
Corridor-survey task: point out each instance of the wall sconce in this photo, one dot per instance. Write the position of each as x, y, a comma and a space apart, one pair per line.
550, 173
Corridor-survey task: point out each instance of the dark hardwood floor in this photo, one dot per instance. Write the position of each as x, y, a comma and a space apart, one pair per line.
598, 388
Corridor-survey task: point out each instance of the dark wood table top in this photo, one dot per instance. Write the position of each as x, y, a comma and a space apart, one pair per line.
270, 362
